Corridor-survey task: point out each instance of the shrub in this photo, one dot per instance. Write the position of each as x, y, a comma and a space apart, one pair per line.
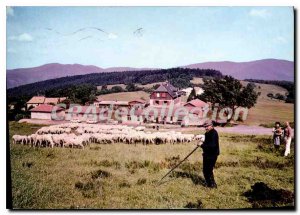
124, 184
84, 186
154, 167
19, 117
141, 181
27, 164
197, 205
172, 161
270, 95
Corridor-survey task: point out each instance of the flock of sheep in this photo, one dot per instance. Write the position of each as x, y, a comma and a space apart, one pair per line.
79, 135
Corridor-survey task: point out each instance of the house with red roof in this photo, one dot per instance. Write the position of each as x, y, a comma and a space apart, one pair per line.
38, 100
47, 112
35, 101
196, 106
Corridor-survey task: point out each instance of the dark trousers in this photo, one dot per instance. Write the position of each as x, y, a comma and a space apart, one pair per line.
208, 166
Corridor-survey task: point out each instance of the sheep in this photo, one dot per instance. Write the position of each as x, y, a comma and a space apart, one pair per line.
18, 139
31, 139
61, 135
140, 128
200, 137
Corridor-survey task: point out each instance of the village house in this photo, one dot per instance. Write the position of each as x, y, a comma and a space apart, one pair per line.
138, 103
44, 111
196, 106
35, 101
38, 100
107, 104
165, 94
132, 116
166, 107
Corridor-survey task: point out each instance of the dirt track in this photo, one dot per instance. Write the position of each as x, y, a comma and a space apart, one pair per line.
244, 129
239, 129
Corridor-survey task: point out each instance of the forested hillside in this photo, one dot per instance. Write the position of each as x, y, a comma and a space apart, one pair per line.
179, 77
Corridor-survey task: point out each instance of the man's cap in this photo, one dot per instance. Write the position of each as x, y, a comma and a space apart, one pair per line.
207, 123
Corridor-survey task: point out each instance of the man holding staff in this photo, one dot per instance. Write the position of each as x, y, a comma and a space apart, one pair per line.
210, 154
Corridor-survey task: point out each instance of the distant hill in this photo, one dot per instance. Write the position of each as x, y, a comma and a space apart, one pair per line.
268, 69
22, 76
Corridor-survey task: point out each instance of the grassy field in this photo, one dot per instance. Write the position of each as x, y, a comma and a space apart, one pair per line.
126, 96
269, 110
125, 176
197, 81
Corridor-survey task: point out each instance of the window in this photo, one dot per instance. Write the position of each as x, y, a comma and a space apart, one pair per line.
157, 102
157, 95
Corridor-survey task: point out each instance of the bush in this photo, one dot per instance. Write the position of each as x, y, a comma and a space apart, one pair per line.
124, 184
84, 186
279, 96
141, 181
116, 89
19, 117
270, 95
197, 205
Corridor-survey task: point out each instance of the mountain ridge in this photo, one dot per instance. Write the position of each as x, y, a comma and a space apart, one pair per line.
277, 69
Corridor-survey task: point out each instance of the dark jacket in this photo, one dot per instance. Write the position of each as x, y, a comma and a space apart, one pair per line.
210, 145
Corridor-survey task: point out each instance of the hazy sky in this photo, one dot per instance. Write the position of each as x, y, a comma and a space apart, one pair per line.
170, 36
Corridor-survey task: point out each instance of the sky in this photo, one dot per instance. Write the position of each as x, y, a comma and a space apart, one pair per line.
156, 37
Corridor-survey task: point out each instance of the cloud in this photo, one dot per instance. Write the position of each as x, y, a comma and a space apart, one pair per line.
9, 11
261, 13
22, 38
112, 36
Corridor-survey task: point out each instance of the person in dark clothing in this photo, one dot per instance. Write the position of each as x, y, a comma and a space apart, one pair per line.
211, 151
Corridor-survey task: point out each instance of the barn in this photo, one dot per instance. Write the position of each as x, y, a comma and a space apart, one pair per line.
115, 104
44, 111
35, 101
38, 100
197, 106
138, 103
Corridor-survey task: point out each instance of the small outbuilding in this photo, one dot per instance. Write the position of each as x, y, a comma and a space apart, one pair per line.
47, 112
35, 101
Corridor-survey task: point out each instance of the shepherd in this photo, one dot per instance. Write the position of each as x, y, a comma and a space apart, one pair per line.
211, 151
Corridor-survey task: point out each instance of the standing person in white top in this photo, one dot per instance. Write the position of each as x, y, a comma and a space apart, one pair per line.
287, 138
